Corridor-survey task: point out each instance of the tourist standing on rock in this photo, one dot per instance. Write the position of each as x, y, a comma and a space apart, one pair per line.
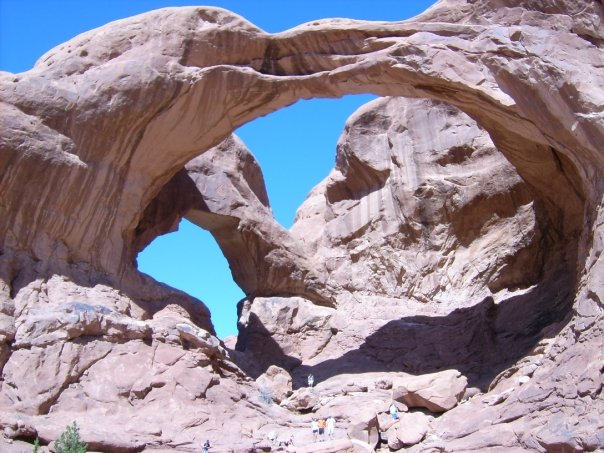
322, 428
206, 446
331, 427
311, 380
314, 425
394, 411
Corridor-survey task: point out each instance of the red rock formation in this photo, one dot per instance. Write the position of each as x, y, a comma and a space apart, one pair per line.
433, 248
91, 136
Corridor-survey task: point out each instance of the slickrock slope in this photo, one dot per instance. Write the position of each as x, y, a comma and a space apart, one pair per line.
94, 140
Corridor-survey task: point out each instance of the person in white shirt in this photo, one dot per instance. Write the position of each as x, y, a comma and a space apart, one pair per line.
331, 427
311, 380
314, 425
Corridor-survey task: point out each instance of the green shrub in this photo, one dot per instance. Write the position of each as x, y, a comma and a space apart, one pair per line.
69, 441
36, 445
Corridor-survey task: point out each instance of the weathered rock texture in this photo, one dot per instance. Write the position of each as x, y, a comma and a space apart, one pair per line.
410, 430
438, 392
436, 252
276, 382
463, 263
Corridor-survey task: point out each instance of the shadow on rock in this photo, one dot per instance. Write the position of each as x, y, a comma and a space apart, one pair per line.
256, 349
479, 341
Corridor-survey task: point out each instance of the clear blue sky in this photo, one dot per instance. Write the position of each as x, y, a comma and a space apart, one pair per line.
295, 146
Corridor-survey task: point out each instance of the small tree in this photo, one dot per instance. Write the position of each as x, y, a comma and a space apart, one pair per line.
69, 441
36, 446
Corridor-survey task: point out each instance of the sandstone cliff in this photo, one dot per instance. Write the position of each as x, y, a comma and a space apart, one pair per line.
422, 223
423, 250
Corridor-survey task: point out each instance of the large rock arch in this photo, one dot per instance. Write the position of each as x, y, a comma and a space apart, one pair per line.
126, 107
98, 127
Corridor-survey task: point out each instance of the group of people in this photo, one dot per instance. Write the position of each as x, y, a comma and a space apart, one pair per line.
322, 426
272, 437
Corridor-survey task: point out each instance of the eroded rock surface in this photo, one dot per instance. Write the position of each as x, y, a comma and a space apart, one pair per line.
436, 252
437, 392
277, 382
423, 249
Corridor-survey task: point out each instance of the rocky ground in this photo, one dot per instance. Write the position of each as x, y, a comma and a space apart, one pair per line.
451, 262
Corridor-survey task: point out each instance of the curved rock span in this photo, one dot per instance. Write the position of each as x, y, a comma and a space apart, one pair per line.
461, 229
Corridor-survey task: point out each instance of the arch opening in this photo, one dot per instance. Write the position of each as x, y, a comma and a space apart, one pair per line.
219, 195
190, 260
492, 267
528, 286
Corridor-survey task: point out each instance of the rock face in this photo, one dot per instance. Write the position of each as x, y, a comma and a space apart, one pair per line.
277, 381
423, 250
404, 200
437, 392
410, 430
285, 330
425, 239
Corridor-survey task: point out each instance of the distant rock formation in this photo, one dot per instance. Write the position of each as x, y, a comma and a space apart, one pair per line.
423, 250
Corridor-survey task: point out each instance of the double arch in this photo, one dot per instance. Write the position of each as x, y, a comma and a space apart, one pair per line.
131, 103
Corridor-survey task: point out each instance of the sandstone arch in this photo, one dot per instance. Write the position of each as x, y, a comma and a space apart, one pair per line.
102, 123
187, 97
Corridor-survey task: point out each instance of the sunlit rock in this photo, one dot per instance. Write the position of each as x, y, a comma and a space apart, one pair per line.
458, 230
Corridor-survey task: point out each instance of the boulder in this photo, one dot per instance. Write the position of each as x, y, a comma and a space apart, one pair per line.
437, 392
364, 426
383, 384
409, 430
353, 387
277, 382
197, 337
302, 400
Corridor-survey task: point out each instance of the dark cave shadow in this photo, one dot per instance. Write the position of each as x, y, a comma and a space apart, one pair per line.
480, 341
